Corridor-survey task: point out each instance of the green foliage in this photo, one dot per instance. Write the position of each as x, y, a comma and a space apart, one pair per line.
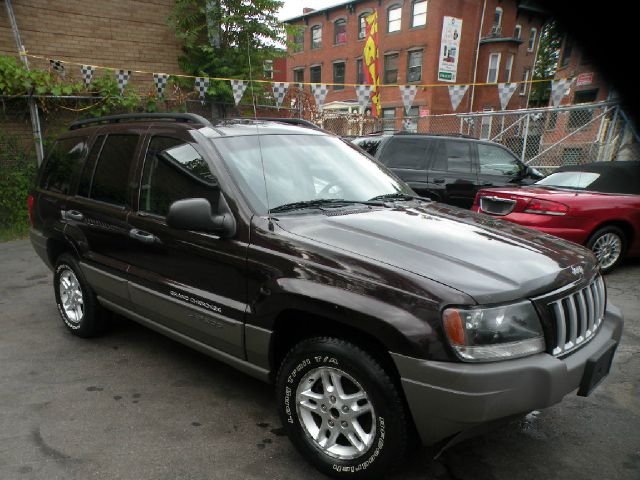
17, 175
243, 32
15, 79
546, 63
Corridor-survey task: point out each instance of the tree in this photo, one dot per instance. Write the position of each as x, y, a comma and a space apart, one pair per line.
546, 63
221, 36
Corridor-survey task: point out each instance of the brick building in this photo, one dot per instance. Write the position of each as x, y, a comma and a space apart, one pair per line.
498, 43
116, 33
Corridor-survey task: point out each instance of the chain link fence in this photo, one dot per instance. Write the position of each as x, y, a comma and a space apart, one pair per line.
544, 138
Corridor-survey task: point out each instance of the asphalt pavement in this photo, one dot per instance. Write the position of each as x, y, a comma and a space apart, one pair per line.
135, 405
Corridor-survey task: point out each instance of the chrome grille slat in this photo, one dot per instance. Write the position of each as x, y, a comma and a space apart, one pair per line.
578, 316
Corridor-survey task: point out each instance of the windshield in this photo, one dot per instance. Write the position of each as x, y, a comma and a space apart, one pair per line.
579, 180
304, 168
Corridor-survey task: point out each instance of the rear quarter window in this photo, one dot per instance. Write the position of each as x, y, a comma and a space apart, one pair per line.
111, 175
63, 164
407, 153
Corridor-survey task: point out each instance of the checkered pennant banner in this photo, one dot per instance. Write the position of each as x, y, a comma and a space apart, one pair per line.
123, 77
456, 93
238, 87
160, 80
559, 89
58, 67
87, 74
408, 93
202, 84
363, 94
279, 91
505, 92
319, 91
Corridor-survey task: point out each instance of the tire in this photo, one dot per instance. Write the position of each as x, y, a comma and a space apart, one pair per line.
77, 304
306, 382
609, 245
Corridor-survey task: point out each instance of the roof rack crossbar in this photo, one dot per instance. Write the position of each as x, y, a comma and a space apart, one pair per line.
180, 117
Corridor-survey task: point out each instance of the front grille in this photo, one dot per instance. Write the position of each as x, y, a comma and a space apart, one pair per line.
497, 205
578, 316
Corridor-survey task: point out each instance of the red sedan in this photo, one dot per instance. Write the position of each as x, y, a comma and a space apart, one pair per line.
596, 205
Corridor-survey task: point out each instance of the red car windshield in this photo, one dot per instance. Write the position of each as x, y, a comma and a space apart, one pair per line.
578, 180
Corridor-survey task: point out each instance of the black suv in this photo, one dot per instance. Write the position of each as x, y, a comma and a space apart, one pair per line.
449, 169
381, 317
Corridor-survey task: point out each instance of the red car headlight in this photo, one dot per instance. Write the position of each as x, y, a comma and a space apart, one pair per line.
546, 207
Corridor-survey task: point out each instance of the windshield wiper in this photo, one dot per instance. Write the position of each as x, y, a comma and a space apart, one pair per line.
317, 203
394, 196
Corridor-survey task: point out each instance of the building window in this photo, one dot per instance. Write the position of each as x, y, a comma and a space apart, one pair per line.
532, 40
419, 13
525, 80
388, 120
414, 66
315, 74
508, 67
394, 18
391, 68
494, 67
362, 25
571, 156
338, 75
410, 122
298, 41
316, 36
517, 32
298, 75
268, 69
485, 125
359, 71
579, 118
566, 51
340, 31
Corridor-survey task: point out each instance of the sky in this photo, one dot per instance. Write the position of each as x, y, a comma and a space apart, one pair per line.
293, 8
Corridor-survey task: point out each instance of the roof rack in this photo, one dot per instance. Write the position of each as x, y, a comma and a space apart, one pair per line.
293, 121
454, 134
127, 117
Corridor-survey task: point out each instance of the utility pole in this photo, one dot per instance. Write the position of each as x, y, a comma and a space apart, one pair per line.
33, 107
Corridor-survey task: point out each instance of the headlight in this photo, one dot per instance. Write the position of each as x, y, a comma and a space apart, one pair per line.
496, 333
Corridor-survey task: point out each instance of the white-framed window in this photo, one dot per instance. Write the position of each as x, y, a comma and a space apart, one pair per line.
419, 13
316, 36
525, 80
508, 67
414, 66
389, 120
532, 40
268, 69
362, 24
494, 68
340, 31
517, 32
497, 17
394, 18
485, 124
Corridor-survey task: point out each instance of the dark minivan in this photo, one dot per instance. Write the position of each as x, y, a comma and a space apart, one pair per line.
383, 318
449, 169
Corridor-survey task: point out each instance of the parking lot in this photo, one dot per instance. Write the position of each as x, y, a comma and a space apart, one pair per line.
136, 405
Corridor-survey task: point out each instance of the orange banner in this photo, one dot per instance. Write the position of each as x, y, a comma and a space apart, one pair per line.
371, 56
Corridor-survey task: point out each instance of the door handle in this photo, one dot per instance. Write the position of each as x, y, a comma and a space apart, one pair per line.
142, 236
74, 215
438, 180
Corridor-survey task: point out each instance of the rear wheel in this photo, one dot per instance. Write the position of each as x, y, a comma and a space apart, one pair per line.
608, 245
341, 409
77, 304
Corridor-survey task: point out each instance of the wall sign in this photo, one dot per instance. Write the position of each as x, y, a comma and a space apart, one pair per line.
449, 49
584, 79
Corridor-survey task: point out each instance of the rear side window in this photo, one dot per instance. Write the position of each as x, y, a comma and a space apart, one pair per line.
453, 156
111, 175
84, 187
497, 161
63, 164
174, 170
409, 153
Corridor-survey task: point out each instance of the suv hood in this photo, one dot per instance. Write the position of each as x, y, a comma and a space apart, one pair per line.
490, 260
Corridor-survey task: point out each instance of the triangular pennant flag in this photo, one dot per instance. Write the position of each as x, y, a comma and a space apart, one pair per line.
238, 87
559, 89
408, 93
87, 74
58, 67
456, 93
505, 92
279, 91
319, 91
363, 94
123, 77
202, 84
160, 79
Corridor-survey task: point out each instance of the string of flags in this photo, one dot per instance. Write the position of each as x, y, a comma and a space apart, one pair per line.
559, 88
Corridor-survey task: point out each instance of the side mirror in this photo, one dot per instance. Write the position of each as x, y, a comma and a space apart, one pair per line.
195, 214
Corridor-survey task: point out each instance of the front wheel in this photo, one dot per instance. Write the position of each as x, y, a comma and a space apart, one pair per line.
608, 245
341, 409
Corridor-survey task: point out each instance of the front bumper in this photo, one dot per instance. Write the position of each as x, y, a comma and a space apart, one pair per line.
446, 398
